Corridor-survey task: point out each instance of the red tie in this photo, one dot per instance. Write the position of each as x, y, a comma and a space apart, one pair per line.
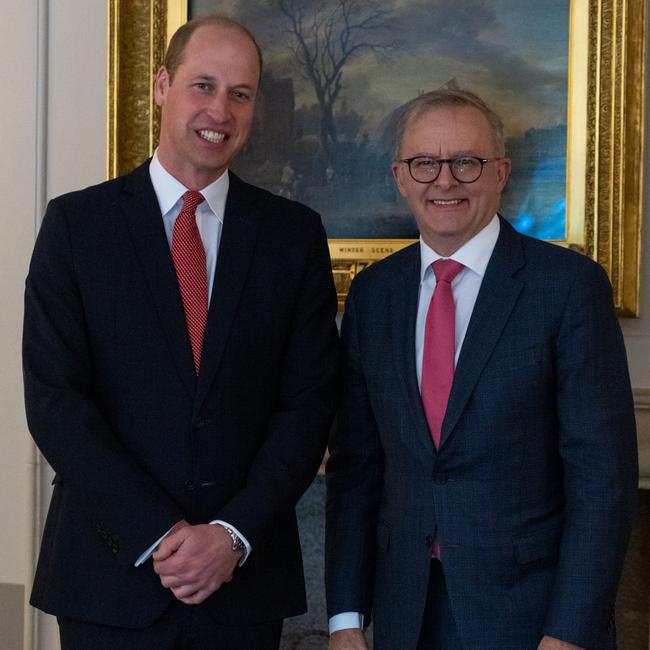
439, 347
189, 261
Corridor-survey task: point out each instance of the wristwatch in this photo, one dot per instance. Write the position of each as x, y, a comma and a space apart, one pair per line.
238, 545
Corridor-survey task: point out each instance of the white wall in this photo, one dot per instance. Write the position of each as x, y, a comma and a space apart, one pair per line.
19, 130
18, 65
53, 55
77, 94
67, 151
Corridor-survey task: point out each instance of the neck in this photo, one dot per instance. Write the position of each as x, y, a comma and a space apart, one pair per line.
187, 174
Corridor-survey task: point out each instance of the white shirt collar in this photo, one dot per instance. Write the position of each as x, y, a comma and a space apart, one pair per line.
169, 189
473, 254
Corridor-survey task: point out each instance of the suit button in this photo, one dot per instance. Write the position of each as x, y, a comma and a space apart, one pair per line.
190, 485
199, 423
115, 548
440, 477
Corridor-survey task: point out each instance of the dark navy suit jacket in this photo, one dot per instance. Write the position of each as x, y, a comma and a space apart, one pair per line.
136, 440
531, 492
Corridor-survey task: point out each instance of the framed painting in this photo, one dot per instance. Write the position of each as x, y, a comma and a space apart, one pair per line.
567, 77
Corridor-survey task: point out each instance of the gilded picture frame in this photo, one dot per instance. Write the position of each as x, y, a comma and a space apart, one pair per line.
605, 139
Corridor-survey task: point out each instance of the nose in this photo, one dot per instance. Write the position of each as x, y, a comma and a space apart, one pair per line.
445, 177
218, 106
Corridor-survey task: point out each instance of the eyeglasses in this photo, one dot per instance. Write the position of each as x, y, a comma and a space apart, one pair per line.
465, 169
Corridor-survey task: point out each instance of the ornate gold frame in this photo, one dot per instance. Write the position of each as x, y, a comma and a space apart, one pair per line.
605, 145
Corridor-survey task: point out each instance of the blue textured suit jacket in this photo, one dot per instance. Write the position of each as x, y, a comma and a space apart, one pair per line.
532, 489
136, 440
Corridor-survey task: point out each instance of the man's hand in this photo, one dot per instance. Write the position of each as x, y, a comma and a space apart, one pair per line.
194, 561
351, 639
181, 524
550, 643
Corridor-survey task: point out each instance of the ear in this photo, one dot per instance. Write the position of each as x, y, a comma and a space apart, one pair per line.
161, 85
503, 172
398, 171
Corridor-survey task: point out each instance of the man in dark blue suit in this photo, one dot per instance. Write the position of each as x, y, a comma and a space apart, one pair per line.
502, 524
182, 386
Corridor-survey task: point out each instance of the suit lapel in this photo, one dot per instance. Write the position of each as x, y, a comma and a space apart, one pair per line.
494, 304
140, 205
238, 240
405, 311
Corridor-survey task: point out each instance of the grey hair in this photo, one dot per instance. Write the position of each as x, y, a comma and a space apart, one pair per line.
447, 98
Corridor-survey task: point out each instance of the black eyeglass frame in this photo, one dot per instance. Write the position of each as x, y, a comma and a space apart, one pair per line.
449, 162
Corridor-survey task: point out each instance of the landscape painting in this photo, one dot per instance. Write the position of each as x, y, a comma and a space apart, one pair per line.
337, 72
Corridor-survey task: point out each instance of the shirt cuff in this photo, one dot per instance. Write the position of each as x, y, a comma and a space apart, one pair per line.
249, 548
151, 550
346, 621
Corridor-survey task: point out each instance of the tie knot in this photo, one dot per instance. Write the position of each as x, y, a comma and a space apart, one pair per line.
446, 270
190, 200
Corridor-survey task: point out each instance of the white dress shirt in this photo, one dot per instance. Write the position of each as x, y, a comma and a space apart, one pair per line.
474, 255
209, 219
209, 214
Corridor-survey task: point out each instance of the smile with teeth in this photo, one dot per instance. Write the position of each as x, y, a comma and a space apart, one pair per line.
212, 136
446, 202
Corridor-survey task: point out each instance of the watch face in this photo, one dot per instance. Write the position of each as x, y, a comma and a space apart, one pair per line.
237, 543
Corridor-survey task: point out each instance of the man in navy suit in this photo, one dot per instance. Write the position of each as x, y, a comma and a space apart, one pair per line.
178, 459
507, 527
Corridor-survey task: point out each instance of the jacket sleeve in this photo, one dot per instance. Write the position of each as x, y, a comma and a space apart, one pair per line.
297, 430
118, 498
354, 485
597, 445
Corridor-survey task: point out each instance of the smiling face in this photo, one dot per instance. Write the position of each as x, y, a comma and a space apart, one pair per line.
207, 108
449, 213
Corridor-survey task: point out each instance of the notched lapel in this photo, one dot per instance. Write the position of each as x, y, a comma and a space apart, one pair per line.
494, 304
238, 241
404, 331
140, 206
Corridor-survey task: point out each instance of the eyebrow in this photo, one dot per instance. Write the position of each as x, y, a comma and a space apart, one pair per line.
214, 80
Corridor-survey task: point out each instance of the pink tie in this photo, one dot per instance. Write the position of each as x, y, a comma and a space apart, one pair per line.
439, 347
189, 261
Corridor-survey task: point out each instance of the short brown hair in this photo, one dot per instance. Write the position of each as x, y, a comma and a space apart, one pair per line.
446, 98
181, 37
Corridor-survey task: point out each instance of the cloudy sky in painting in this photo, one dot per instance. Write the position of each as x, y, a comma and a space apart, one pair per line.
512, 52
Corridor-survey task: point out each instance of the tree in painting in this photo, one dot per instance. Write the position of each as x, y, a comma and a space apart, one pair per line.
325, 36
